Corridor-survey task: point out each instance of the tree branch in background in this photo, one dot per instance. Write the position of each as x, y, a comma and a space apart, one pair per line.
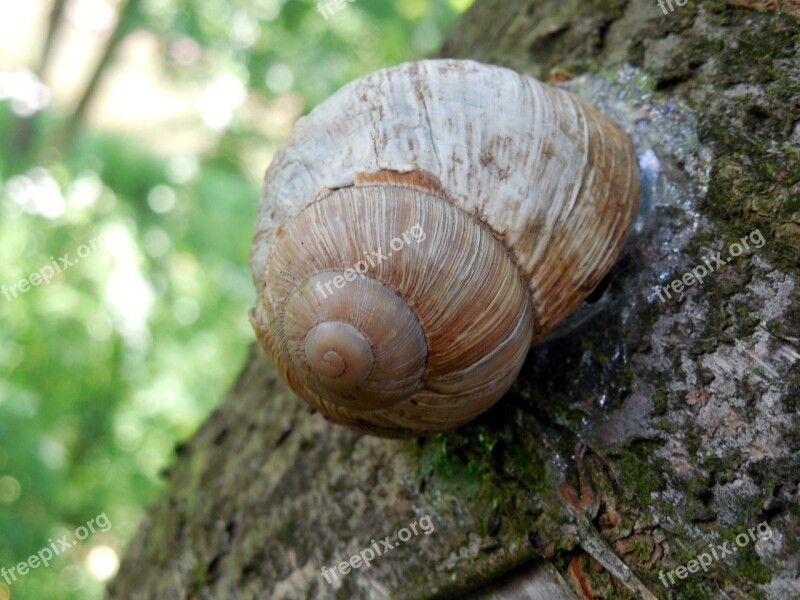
125, 24
20, 140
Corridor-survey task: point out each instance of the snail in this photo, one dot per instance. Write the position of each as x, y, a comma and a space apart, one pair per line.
420, 229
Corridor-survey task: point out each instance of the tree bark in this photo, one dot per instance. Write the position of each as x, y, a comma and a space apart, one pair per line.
630, 442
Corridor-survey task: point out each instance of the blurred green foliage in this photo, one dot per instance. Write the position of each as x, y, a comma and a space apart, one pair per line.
122, 355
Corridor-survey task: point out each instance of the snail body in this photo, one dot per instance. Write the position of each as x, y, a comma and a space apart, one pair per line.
421, 228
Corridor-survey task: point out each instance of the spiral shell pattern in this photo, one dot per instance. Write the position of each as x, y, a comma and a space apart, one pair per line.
421, 228
402, 340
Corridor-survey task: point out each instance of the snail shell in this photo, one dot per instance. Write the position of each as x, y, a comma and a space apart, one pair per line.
421, 228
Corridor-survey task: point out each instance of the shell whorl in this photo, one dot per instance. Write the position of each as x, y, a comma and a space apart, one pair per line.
430, 323
525, 196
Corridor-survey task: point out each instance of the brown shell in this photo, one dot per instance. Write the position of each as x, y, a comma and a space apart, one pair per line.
524, 197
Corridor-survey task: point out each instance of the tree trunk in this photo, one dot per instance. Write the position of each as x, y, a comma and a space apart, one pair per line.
633, 445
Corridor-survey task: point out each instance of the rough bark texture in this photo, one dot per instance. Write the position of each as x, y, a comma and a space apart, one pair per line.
632, 442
